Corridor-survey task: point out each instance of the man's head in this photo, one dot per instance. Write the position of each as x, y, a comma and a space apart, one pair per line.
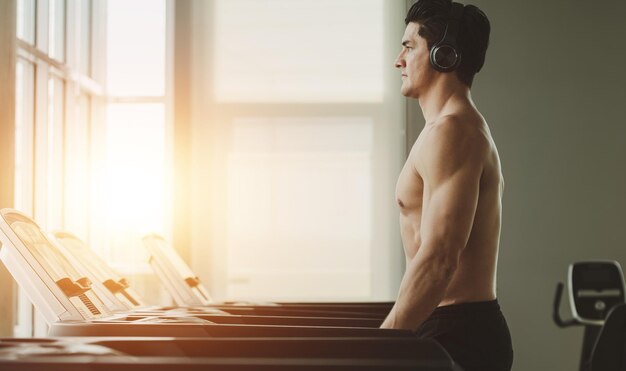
426, 24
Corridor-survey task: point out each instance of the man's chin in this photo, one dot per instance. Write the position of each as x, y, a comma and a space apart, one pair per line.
406, 92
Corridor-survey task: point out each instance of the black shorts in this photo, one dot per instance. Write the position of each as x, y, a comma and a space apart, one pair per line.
475, 335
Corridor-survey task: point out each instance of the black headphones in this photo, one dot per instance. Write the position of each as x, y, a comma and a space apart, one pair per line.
445, 56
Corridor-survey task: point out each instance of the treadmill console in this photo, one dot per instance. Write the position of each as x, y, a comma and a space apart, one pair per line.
594, 288
179, 280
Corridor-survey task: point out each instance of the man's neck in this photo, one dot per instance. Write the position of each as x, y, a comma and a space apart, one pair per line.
444, 96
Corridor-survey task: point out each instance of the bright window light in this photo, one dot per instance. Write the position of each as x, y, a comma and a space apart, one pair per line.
133, 200
77, 172
135, 157
299, 51
136, 47
56, 25
54, 157
299, 217
26, 20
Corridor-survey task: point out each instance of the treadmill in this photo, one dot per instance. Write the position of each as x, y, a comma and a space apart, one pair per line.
109, 284
187, 290
166, 354
72, 307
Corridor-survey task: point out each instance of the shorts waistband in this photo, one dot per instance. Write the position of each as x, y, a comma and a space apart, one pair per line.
470, 308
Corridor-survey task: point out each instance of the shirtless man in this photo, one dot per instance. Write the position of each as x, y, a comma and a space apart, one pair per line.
449, 193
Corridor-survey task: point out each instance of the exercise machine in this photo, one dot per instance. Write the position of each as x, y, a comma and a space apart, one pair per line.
166, 354
594, 289
72, 307
187, 289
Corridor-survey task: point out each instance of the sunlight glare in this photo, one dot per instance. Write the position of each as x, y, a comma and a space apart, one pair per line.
135, 158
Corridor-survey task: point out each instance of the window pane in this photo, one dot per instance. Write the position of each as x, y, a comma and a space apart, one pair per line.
298, 51
24, 131
85, 37
26, 20
136, 55
23, 198
56, 30
54, 147
292, 182
77, 172
135, 174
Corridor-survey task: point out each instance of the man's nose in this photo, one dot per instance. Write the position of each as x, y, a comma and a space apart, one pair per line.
399, 63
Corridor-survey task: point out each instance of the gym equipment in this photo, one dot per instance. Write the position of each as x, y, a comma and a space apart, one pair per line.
119, 291
228, 353
609, 352
187, 290
71, 306
595, 287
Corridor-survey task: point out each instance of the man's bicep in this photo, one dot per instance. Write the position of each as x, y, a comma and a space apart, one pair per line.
449, 215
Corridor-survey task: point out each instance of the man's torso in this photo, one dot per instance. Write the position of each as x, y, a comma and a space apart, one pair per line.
474, 279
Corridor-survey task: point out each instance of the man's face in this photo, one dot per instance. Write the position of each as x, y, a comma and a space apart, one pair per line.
413, 61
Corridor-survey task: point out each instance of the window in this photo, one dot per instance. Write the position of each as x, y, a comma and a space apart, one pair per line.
297, 141
303, 51
133, 199
298, 193
55, 86
90, 152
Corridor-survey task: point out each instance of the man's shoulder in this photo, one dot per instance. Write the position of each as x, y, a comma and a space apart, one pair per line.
461, 134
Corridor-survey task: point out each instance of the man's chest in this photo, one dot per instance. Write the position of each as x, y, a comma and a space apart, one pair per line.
410, 185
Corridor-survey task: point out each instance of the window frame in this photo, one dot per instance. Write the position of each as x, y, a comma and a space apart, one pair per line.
8, 36
23, 319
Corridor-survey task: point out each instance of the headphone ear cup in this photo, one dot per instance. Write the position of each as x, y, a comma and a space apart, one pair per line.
444, 55
444, 58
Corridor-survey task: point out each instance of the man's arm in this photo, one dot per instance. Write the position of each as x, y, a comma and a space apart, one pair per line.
451, 170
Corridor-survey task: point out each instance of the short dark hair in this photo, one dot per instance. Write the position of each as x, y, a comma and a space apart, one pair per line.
472, 37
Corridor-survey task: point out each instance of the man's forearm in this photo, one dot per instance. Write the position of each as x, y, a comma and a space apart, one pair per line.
423, 287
